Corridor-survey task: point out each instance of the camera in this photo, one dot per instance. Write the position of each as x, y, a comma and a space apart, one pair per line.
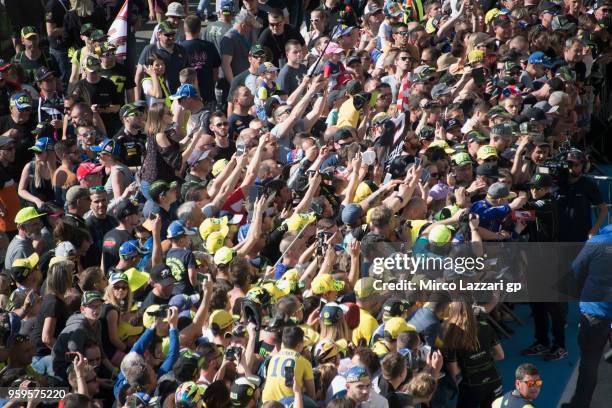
161, 312
233, 353
322, 237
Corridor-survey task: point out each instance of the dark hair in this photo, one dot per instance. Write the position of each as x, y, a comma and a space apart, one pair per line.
75, 400
63, 146
369, 359
218, 300
216, 395
192, 24
239, 272
291, 43
275, 13
292, 337
393, 365
407, 339
155, 56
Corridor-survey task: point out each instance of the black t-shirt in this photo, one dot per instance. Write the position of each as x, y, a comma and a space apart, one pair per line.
98, 227
72, 26
25, 140
179, 260
55, 10
110, 246
238, 123
30, 66
104, 93
574, 202
477, 366
120, 77
132, 147
152, 299
289, 78
276, 43
203, 57
51, 306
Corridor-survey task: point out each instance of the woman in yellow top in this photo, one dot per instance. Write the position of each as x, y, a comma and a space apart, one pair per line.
154, 85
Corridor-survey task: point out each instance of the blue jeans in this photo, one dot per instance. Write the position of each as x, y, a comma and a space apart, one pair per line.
204, 8
43, 365
144, 189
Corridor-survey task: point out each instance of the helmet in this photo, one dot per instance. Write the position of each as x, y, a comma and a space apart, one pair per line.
189, 394
575, 155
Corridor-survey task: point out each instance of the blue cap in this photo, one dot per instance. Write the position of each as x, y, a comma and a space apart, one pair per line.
539, 57
107, 146
42, 145
331, 313
355, 374
185, 91
184, 302
344, 29
143, 397
21, 101
130, 249
243, 231
351, 214
227, 7
177, 229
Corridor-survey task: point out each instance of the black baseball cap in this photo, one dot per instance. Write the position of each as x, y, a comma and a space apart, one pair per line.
487, 170
162, 274
539, 180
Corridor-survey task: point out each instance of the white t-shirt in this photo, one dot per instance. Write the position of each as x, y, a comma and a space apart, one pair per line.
147, 87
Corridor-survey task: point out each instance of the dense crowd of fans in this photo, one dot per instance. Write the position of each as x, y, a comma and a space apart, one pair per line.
195, 226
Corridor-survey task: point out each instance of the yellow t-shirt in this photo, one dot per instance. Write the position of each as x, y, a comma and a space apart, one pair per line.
275, 388
348, 116
366, 328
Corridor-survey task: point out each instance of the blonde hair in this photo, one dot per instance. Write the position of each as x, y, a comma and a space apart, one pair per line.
83, 8
423, 385
336, 331
39, 165
110, 298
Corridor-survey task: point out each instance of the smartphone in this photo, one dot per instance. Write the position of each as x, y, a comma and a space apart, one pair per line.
478, 75
387, 178
417, 161
523, 215
368, 157
373, 98
289, 376
240, 149
424, 176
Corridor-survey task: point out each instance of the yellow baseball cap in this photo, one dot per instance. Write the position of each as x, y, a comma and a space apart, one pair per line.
396, 325
440, 235
215, 241
291, 275
276, 291
491, 14
475, 56
26, 214
222, 318
298, 221
218, 167
364, 287
126, 330
443, 144
223, 256
147, 319
486, 151
27, 263
136, 279
211, 225
324, 283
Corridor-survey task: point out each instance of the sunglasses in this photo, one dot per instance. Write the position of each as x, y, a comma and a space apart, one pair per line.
169, 35
285, 111
21, 338
404, 58
222, 124
402, 33
280, 23
490, 159
534, 383
120, 287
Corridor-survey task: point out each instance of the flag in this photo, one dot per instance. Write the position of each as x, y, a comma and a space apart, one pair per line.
118, 31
